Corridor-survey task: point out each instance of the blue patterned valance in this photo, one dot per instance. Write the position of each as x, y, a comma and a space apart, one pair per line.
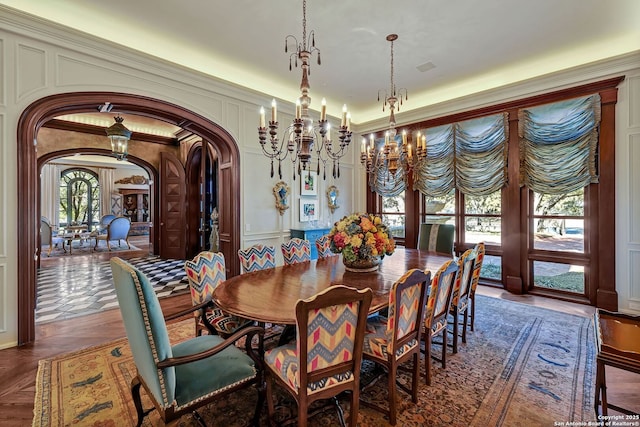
558, 145
470, 156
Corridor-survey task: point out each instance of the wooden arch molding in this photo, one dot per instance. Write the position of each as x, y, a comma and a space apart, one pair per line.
45, 109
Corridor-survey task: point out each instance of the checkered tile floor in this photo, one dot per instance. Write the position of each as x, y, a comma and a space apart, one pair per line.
66, 292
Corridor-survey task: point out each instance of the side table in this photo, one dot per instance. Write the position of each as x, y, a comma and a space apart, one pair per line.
618, 345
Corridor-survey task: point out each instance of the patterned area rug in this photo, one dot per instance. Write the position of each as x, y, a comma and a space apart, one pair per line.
523, 366
87, 248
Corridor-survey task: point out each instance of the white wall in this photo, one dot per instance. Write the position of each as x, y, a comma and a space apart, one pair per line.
39, 59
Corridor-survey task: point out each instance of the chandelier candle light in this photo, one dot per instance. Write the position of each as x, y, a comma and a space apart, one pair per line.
391, 156
302, 137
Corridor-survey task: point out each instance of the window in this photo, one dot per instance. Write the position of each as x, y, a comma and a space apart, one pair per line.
393, 214
482, 218
79, 198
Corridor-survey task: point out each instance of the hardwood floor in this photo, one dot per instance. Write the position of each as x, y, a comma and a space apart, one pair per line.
18, 366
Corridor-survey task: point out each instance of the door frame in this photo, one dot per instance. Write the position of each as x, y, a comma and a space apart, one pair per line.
47, 108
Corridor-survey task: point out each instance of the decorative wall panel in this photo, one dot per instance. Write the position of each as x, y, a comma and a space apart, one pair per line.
4, 194
4, 303
3, 82
634, 190
634, 283
232, 120
634, 101
31, 70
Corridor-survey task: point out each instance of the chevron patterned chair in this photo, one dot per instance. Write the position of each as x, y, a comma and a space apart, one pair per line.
296, 250
325, 360
436, 238
205, 272
460, 296
257, 257
323, 246
393, 340
436, 322
180, 378
474, 281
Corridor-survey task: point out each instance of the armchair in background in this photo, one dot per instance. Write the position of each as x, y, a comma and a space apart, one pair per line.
118, 229
49, 237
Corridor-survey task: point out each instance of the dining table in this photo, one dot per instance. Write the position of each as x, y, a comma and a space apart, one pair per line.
270, 295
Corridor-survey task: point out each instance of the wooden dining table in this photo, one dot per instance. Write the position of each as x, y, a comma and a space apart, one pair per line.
270, 295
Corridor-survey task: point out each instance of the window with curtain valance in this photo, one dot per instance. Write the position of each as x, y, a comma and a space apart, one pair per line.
382, 181
558, 145
470, 156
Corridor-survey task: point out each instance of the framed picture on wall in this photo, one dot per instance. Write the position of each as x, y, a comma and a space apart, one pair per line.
308, 210
308, 183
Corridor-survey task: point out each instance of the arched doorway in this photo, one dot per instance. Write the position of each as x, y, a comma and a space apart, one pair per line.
46, 109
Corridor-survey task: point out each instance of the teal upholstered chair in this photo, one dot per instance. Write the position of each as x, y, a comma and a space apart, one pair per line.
180, 378
460, 296
118, 229
436, 238
324, 361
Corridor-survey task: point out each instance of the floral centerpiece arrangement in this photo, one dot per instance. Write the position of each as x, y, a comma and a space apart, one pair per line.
362, 239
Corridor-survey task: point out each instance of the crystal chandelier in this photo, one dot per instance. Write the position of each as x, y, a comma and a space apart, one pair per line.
302, 137
394, 154
119, 136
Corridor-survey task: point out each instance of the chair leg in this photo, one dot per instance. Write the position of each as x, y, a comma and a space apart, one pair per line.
137, 401
270, 406
339, 410
261, 387
108, 245
473, 310
427, 356
415, 378
455, 332
464, 324
444, 348
355, 408
392, 393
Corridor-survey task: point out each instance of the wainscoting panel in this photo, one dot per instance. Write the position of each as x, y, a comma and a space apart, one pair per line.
32, 63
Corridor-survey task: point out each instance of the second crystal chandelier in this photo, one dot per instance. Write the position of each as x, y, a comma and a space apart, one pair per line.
302, 137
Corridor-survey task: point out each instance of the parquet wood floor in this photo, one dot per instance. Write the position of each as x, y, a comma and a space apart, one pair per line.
18, 366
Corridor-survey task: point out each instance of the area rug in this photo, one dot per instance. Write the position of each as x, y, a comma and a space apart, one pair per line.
522, 366
87, 248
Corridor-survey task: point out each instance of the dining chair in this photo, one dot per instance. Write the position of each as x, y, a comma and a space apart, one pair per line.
204, 273
325, 360
257, 257
436, 238
480, 249
323, 244
118, 229
393, 340
436, 323
296, 250
460, 296
183, 377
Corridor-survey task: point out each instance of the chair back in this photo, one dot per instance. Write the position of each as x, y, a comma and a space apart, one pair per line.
406, 309
475, 277
105, 220
334, 323
323, 245
205, 272
257, 257
444, 280
296, 250
462, 286
146, 329
46, 232
118, 228
436, 238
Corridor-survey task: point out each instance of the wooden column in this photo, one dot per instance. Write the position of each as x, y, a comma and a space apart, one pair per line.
604, 249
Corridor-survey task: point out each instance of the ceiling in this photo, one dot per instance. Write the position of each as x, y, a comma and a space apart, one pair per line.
473, 45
